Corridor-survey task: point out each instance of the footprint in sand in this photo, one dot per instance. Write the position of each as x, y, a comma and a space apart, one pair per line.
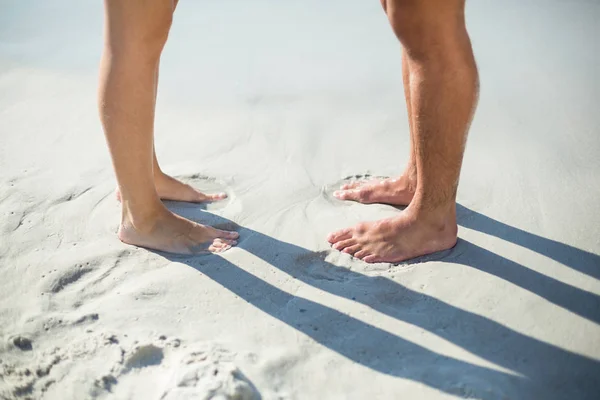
144, 356
317, 266
66, 277
209, 374
205, 371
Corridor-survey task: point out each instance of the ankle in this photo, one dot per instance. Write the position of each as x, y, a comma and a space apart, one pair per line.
441, 217
159, 175
163, 181
409, 176
141, 218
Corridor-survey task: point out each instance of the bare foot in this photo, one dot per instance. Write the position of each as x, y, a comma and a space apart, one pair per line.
169, 188
397, 239
169, 232
395, 191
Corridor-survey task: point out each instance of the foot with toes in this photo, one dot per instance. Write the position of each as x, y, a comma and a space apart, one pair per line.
394, 191
165, 231
397, 239
169, 188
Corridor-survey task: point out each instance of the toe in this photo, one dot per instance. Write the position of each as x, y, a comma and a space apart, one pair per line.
227, 234
229, 242
218, 246
371, 259
347, 194
351, 249
351, 185
218, 249
339, 235
341, 245
361, 195
361, 254
340, 194
214, 197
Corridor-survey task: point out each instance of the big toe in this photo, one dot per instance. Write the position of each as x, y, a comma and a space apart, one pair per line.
213, 197
360, 195
221, 234
351, 185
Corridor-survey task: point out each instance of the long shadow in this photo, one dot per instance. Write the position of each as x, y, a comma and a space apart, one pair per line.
541, 370
363, 343
578, 301
572, 257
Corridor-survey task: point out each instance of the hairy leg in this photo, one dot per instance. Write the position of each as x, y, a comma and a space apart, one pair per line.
396, 191
443, 85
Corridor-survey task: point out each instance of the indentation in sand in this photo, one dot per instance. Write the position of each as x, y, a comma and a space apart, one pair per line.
144, 356
316, 267
22, 342
69, 277
28, 381
210, 374
71, 194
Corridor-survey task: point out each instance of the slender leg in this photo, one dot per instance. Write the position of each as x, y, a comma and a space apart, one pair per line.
443, 84
135, 34
167, 187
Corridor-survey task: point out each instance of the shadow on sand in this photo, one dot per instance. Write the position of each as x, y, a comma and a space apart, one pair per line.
539, 370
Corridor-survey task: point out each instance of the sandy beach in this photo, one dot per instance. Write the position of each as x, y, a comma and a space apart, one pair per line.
278, 104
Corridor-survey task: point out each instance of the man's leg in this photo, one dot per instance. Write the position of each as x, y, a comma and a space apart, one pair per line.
397, 191
443, 85
135, 34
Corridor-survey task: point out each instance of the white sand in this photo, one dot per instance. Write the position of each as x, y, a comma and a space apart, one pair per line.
277, 102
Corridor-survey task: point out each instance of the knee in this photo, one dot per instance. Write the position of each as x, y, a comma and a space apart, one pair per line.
155, 36
422, 26
142, 39
384, 5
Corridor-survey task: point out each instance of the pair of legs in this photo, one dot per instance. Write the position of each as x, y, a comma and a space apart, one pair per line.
440, 79
135, 34
441, 88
